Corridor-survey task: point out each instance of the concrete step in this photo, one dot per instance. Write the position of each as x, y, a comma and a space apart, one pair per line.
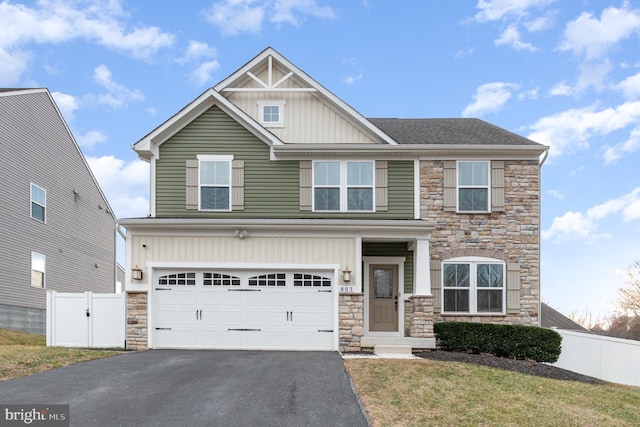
388, 350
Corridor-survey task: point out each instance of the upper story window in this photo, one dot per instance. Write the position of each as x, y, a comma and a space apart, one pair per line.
38, 263
473, 186
271, 112
473, 286
38, 202
214, 185
343, 186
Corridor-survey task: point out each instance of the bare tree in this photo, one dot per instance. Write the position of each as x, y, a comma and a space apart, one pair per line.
629, 295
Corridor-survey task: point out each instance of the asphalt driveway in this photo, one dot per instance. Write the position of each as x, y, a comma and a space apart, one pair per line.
198, 388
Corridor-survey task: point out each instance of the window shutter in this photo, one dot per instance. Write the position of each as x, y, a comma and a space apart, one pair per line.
237, 185
306, 190
497, 186
450, 186
513, 288
192, 184
382, 183
436, 283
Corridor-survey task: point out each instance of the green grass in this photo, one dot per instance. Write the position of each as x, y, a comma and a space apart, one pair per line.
435, 393
24, 354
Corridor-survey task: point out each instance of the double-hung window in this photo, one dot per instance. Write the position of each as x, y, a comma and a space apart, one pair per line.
343, 186
473, 286
38, 202
214, 185
38, 263
473, 186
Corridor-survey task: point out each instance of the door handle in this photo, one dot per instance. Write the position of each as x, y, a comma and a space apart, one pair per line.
196, 314
200, 314
395, 300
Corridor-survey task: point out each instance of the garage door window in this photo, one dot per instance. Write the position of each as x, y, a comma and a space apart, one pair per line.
310, 280
274, 279
219, 279
179, 279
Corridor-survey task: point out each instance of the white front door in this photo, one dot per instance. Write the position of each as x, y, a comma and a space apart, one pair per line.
243, 310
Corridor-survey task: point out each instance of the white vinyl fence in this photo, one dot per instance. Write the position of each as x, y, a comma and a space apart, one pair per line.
607, 358
85, 320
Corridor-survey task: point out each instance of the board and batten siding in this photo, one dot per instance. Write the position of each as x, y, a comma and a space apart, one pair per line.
251, 250
78, 238
393, 249
271, 188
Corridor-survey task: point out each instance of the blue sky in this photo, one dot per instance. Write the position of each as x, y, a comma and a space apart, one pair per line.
563, 73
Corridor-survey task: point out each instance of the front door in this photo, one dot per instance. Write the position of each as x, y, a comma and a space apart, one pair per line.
383, 298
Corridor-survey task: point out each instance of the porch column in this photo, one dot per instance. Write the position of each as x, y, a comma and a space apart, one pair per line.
422, 268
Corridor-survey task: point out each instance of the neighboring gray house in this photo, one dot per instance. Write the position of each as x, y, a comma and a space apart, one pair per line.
58, 230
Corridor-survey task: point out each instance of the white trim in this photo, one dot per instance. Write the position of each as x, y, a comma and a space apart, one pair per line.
422, 268
398, 262
343, 185
416, 189
358, 278
152, 187
473, 287
487, 187
222, 159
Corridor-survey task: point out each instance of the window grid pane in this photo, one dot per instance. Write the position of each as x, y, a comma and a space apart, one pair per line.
214, 173
271, 114
214, 198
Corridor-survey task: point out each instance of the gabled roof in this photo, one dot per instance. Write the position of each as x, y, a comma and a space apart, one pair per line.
551, 318
10, 92
266, 59
457, 131
148, 145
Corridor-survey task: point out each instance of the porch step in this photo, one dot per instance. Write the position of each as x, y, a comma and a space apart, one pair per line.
392, 350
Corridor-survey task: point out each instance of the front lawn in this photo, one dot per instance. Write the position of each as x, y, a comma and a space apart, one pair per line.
24, 354
436, 393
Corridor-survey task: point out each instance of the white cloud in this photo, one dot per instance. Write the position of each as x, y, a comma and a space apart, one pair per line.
583, 226
12, 65
511, 37
539, 24
592, 38
614, 153
126, 185
593, 74
237, 16
90, 139
67, 104
349, 80
630, 87
489, 98
117, 95
247, 16
493, 10
101, 22
571, 129
528, 94
200, 54
561, 89
556, 194
464, 52
293, 11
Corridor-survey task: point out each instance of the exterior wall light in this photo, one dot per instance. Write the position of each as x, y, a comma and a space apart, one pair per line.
240, 234
346, 275
136, 273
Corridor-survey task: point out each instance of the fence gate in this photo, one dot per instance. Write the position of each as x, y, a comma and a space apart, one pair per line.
85, 320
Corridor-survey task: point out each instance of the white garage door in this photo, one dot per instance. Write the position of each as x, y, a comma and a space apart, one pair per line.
243, 310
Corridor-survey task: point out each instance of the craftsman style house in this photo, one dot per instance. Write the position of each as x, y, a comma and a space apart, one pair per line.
58, 232
281, 218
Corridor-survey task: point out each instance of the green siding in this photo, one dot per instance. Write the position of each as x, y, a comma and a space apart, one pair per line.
393, 249
271, 188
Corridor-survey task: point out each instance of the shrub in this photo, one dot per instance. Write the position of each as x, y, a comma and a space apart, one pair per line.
512, 341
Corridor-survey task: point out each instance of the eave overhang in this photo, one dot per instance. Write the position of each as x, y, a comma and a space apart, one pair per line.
376, 229
148, 147
413, 151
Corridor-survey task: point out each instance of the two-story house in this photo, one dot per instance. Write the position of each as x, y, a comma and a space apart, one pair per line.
281, 218
58, 231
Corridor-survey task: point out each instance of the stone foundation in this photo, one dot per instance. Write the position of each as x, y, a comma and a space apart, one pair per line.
351, 312
137, 321
421, 318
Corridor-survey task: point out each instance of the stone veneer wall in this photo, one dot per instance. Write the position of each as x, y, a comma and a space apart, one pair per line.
351, 312
512, 235
421, 325
137, 321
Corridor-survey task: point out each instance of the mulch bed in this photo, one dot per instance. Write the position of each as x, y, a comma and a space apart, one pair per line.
529, 367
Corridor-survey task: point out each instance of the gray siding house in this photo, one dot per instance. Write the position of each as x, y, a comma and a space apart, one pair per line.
281, 218
58, 230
